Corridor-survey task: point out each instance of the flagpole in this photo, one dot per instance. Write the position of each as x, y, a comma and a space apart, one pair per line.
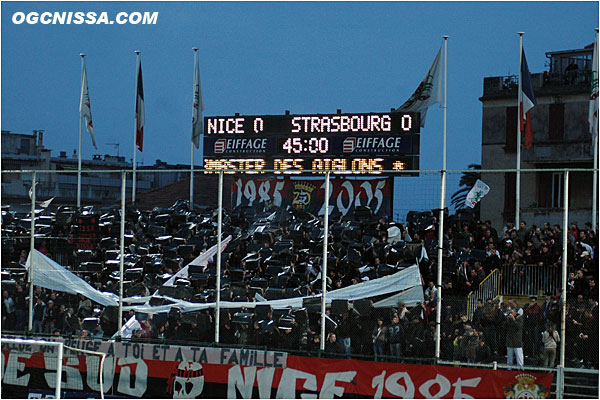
137, 71
519, 100
324, 265
31, 248
79, 153
564, 257
219, 248
192, 142
438, 314
122, 253
595, 146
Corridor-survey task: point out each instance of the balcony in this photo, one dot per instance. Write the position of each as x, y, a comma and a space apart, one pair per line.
544, 84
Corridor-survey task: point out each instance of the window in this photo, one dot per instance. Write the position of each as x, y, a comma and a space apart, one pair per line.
24, 146
556, 121
511, 130
550, 189
557, 189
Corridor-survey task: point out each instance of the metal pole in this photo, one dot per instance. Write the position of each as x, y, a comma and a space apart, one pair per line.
438, 314
595, 184
59, 371
219, 228
192, 141
324, 269
79, 153
31, 248
137, 71
594, 131
122, 250
519, 100
564, 269
560, 382
192, 178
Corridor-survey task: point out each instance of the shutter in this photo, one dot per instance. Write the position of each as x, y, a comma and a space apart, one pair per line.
511, 130
556, 121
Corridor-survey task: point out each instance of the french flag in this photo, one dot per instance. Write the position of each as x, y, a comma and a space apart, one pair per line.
526, 101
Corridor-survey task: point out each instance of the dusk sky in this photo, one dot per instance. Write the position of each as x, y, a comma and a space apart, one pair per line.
265, 58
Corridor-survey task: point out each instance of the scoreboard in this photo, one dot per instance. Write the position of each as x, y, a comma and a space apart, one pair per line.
367, 143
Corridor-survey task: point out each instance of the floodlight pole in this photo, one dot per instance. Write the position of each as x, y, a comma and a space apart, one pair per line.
219, 229
122, 251
324, 268
31, 248
438, 314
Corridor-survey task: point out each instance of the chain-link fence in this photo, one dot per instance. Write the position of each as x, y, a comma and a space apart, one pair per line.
378, 226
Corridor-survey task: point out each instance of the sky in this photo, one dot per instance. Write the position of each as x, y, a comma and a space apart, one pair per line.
266, 57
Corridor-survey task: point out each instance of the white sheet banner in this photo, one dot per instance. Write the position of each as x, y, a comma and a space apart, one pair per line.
51, 275
406, 279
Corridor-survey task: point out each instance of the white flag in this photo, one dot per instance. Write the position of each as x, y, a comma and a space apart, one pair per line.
43, 204
429, 91
476, 193
593, 112
197, 129
84, 105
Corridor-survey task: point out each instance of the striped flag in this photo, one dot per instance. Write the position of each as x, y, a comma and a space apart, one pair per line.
139, 110
84, 105
197, 128
593, 112
526, 101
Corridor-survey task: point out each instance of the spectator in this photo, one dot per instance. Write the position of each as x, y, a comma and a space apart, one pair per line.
379, 339
50, 317
395, 336
514, 338
21, 309
72, 324
550, 338
533, 322
39, 314
8, 311
59, 325
84, 308
468, 343
332, 346
483, 353
415, 337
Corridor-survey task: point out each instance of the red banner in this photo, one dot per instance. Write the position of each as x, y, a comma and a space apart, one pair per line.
309, 195
217, 373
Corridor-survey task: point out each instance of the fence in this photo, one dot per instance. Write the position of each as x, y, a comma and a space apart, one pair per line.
161, 233
489, 288
530, 280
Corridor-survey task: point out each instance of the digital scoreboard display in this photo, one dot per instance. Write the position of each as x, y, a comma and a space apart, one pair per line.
366, 143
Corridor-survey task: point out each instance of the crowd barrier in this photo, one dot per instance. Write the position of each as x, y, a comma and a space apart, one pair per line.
530, 280
489, 288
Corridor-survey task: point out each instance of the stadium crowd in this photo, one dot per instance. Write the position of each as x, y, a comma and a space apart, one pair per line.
276, 253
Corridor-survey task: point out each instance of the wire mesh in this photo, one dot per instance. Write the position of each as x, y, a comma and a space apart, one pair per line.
283, 216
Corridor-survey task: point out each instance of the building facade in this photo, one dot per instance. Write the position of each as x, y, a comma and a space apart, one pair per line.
561, 139
27, 152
